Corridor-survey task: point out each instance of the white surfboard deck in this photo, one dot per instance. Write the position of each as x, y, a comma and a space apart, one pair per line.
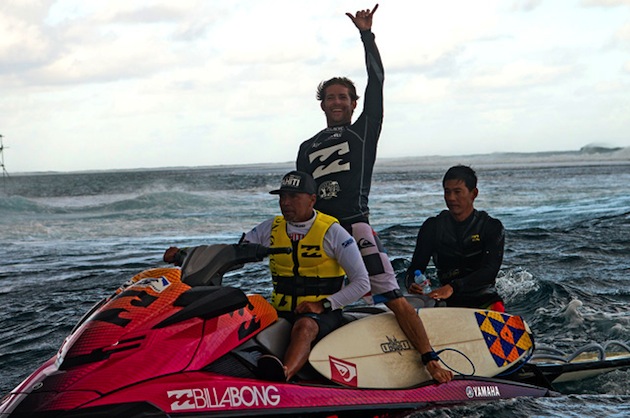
373, 352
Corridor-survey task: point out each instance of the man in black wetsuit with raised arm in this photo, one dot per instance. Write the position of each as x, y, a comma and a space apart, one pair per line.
466, 246
341, 159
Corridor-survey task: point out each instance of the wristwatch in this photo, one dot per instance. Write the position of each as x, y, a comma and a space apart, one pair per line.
327, 305
430, 356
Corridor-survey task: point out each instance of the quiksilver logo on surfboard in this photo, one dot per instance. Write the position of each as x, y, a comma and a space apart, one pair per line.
394, 346
343, 372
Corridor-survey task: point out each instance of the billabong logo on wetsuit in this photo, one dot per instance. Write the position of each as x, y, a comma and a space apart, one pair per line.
335, 132
329, 159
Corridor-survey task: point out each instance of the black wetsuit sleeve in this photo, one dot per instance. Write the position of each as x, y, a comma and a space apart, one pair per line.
423, 251
373, 100
491, 261
301, 162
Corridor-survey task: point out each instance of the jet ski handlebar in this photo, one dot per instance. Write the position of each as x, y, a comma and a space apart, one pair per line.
206, 264
280, 250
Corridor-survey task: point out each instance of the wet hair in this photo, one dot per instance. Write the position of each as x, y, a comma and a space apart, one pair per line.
463, 173
342, 81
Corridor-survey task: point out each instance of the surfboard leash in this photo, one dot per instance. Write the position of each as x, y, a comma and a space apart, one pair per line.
452, 369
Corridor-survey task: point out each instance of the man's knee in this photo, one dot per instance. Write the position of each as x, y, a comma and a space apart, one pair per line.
305, 328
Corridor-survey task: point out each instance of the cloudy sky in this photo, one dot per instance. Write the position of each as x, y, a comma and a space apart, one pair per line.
91, 84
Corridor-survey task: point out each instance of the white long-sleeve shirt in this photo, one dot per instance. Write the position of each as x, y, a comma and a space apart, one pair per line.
338, 244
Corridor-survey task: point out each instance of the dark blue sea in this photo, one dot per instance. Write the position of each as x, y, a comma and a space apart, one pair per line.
69, 239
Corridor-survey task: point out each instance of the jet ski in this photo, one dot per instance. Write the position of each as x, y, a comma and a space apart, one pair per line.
175, 342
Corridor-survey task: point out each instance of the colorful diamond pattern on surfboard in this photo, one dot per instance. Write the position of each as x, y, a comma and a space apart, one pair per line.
505, 335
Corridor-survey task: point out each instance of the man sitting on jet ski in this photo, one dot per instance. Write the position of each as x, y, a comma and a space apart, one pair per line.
466, 246
308, 284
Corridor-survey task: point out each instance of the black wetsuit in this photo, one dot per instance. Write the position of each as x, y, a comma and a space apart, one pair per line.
341, 158
467, 255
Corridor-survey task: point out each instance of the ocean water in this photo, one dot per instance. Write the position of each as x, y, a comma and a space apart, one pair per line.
69, 239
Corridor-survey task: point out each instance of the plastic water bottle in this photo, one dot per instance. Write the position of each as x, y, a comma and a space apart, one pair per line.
423, 281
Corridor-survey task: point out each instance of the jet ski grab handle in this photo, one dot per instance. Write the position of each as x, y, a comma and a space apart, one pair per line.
205, 265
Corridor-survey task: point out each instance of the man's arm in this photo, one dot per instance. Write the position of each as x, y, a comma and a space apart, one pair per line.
260, 234
373, 100
301, 162
345, 250
175, 255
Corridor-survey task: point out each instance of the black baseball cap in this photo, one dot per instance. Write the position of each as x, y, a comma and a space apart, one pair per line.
297, 182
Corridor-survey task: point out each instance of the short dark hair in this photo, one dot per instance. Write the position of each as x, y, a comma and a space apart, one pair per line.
463, 173
342, 81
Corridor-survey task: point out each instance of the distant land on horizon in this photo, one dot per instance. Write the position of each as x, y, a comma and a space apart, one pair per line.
586, 155
589, 154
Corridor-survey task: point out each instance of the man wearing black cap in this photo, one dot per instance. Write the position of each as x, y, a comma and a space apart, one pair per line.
307, 284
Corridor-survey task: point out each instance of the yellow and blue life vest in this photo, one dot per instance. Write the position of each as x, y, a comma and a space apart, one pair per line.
307, 274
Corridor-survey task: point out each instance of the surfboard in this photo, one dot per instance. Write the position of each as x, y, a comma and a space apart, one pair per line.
583, 366
373, 352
